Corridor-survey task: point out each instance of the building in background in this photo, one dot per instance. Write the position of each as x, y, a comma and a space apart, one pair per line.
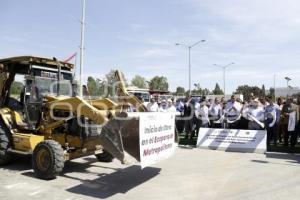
284, 91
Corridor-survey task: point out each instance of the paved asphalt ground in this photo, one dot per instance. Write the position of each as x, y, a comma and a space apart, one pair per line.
190, 174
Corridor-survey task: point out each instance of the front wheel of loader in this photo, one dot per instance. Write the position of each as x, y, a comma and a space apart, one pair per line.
48, 159
104, 157
5, 143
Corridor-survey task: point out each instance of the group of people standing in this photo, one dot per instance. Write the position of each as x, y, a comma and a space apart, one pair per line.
280, 119
161, 105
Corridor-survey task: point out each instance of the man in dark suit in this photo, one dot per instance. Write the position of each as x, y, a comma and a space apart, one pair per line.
188, 113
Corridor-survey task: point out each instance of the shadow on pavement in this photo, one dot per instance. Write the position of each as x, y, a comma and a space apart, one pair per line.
72, 166
19, 163
120, 181
186, 146
260, 161
289, 159
292, 158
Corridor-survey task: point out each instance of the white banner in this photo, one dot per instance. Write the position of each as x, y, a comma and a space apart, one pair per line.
157, 137
233, 140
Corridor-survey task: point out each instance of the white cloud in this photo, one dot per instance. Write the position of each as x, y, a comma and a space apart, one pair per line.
157, 42
157, 53
13, 39
136, 27
260, 36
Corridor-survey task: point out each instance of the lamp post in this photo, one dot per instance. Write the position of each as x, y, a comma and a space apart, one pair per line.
224, 70
82, 47
189, 47
287, 85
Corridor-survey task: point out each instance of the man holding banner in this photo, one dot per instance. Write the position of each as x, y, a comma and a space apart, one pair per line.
215, 113
256, 116
203, 115
233, 113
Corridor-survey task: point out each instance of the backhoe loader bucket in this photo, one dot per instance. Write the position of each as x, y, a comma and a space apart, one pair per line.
130, 137
119, 135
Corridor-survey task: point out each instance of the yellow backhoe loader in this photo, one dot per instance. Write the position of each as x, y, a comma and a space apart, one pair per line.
50, 122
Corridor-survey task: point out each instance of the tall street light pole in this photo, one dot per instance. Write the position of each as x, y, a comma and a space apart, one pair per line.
82, 47
224, 67
287, 85
189, 47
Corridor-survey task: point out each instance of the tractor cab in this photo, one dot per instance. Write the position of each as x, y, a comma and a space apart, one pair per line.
26, 80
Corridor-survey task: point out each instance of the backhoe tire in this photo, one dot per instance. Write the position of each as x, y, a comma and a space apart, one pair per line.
5, 144
104, 157
48, 159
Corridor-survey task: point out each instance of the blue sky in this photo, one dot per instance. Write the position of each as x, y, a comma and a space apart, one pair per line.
137, 36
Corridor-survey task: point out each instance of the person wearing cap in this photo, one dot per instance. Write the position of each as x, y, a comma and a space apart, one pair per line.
152, 106
271, 117
162, 106
215, 112
171, 107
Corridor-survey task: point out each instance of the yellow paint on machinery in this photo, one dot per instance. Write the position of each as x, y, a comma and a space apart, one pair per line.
56, 127
63, 139
26, 142
80, 107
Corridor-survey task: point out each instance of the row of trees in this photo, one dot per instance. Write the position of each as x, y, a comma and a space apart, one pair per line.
104, 86
200, 91
247, 91
156, 83
161, 83
97, 86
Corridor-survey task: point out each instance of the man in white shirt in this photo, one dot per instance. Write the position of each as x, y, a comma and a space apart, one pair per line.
256, 111
203, 115
215, 113
162, 106
152, 106
233, 113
